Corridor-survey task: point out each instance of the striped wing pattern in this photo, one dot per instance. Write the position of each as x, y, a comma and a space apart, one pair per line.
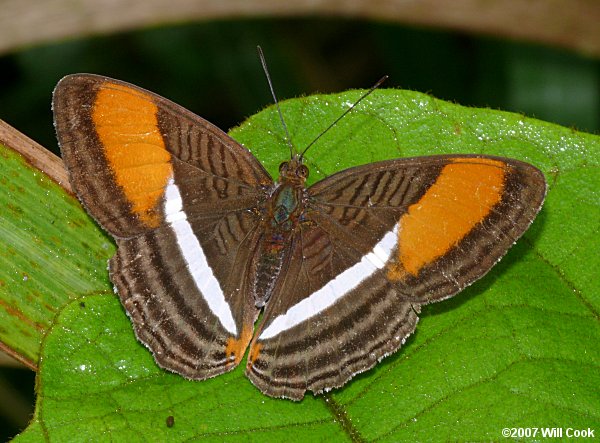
196, 217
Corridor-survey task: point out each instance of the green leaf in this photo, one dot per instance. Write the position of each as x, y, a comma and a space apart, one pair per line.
519, 348
50, 252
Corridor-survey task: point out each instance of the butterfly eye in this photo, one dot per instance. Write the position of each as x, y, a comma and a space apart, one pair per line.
302, 171
283, 167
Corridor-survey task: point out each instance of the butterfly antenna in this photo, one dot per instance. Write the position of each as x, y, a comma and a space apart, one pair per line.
263, 61
375, 86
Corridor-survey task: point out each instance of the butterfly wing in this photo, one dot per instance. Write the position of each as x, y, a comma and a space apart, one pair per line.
180, 197
377, 243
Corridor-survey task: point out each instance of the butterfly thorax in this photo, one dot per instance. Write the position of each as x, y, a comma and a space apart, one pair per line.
283, 212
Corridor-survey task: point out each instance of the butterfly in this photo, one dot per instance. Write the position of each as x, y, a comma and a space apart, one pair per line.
206, 239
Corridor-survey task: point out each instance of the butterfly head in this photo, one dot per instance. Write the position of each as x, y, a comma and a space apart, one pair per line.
293, 171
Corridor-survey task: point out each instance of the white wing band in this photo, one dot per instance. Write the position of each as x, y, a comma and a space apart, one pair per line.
195, 259
345, 282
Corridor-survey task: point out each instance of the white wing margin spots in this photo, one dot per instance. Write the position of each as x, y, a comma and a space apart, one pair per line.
325, 297
195, 259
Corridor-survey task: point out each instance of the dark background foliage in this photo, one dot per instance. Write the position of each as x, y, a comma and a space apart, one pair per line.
212, 69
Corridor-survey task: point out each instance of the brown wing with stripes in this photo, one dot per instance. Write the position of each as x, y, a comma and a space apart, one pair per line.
119, 143
180, 197
378, 242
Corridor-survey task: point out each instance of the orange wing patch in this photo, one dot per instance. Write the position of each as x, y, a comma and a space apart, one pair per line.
254, 353
237, 347
127, 126
462, 196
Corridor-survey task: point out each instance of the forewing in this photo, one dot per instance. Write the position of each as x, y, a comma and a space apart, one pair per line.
180, 197
377, 243
119, 143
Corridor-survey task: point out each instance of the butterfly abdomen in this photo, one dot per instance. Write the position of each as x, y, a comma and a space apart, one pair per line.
267, 262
